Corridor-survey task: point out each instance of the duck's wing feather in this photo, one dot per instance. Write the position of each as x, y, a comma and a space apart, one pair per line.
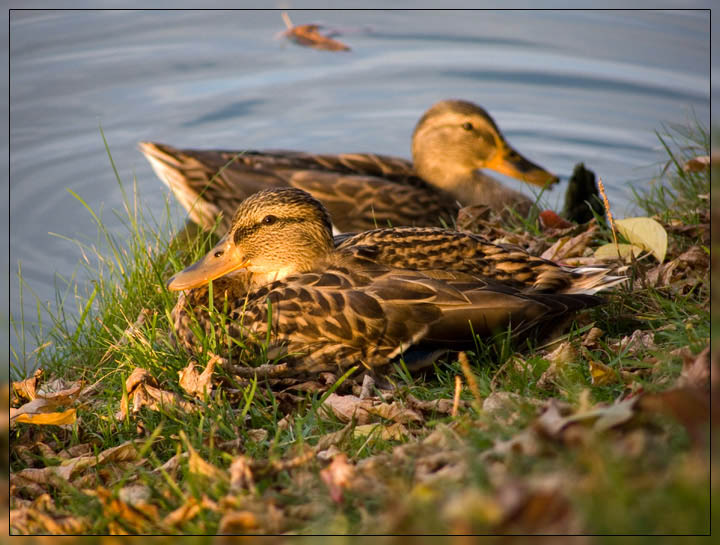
361, 191
336, 319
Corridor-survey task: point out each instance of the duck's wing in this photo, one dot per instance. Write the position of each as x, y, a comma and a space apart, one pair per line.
442, 252
361, 191
336, 319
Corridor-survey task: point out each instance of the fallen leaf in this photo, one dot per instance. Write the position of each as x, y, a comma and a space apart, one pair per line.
689, 405
395, 432
562, 355
646, 233
238, 522
696, 370
27, 389
661, 275
623, 252
142, 390
601, 374
639, 341
695, 257
46, 419
697, 164
198, 466
567, 247
592, 336
197, 384
241, 477
348, 407
187, 511
550, 220
337, 476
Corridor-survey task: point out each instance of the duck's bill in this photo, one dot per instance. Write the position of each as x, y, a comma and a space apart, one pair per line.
219, 261
511, 163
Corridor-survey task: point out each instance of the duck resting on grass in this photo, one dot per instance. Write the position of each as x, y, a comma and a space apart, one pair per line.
451, 142
367, 298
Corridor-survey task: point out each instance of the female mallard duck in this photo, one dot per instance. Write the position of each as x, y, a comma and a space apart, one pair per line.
452, 140
365, 298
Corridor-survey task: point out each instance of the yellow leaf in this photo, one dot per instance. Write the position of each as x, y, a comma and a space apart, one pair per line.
46, 419
646, 233
621, 251
601, 374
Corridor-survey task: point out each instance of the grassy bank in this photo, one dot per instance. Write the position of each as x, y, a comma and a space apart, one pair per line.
605, 431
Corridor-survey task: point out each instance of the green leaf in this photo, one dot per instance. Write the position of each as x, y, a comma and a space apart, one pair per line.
646, 233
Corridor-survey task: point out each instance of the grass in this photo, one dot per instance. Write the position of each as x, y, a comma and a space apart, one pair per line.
445, 475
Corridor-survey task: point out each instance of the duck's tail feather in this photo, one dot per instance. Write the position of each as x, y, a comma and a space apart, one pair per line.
591, 280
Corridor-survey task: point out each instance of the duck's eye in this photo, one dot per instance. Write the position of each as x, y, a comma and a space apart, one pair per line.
467, 126
219, 253
269, 220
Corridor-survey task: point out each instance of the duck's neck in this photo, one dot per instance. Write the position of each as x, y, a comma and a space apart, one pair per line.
471, 187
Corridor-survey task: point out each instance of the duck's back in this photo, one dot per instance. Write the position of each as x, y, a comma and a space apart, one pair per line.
361, 191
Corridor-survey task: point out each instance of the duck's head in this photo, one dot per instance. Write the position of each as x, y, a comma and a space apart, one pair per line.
455, 137
274, 233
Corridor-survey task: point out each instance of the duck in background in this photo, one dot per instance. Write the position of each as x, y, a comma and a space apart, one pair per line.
452, 142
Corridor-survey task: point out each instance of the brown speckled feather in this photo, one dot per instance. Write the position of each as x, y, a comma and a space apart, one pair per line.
367, 297
361, 191
333, 320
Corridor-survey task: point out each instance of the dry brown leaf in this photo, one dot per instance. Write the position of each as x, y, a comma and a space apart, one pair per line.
338, 476
639, 341
117, 509
696, 370
142, 390
48, 398
697, 164
241, 477
441, 405
695, 257
550, 220
27, 389
395, 432
82, 449
566, 247
198, 384
187, 511
661, 275
238, 522
552, 422
689, 405
591, 338
348, 407
198, 466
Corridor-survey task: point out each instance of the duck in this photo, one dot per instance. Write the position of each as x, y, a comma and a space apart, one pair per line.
451, 143
325, 303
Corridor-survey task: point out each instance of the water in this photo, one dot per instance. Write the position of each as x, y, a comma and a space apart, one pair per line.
563, 86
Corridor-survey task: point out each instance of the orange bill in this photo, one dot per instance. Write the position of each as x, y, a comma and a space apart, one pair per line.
219, 261
509, 162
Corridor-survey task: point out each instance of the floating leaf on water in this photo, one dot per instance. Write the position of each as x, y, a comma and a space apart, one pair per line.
646, 233
621, 251
309, 36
